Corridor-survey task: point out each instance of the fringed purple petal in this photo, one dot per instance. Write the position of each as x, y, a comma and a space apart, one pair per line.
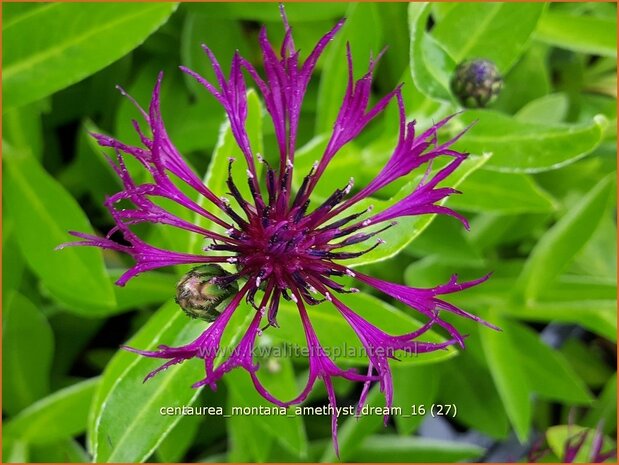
354, 114
146, 256
425, 300
147, 211
206, 346
242, 355
232, 95
410, 153
381, 347
285, 85
322, 367
166, 156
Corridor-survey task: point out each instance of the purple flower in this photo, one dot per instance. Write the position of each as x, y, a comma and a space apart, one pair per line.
282, 248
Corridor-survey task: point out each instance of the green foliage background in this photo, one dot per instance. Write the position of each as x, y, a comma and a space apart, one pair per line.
539, 189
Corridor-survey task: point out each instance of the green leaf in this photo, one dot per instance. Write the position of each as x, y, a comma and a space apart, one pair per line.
392, 449
217, 34
586, 34
60, 415
12, 259
64, 451
589, 302
126, 424
152, 288
604, 410
509, 377
498, 32
408, 228
15, 451
570, 288
548, 372
22, 128
447, 241
491, 229
478, 403
146, 289
394, 27
179, 440
57, 45
563, 241
336, 335
523, 147
489, 191
587, 360
547, 109
278, 378
599, 316
40, 203
532, 69
597, 258
431, 67
441, 9
28, 344
12, 11
415, 385
245, 444
362, 31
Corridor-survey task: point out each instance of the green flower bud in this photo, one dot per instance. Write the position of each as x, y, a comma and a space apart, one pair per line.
199, 295
476, 83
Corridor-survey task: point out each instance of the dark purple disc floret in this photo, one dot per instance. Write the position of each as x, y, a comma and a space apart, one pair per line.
279, 246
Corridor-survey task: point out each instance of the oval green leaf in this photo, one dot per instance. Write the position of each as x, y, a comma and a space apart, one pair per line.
495, 31
563, 241
526, 147
430, 65
586, 34
548, 372
60, 415
126, 424
504, 193
279, 380
41, 204
27, 360
509, 377
59, 44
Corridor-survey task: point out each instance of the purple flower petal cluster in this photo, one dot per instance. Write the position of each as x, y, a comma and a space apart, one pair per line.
282, 248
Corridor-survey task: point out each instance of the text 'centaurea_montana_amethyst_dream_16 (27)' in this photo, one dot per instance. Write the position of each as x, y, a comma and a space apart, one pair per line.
279, 246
